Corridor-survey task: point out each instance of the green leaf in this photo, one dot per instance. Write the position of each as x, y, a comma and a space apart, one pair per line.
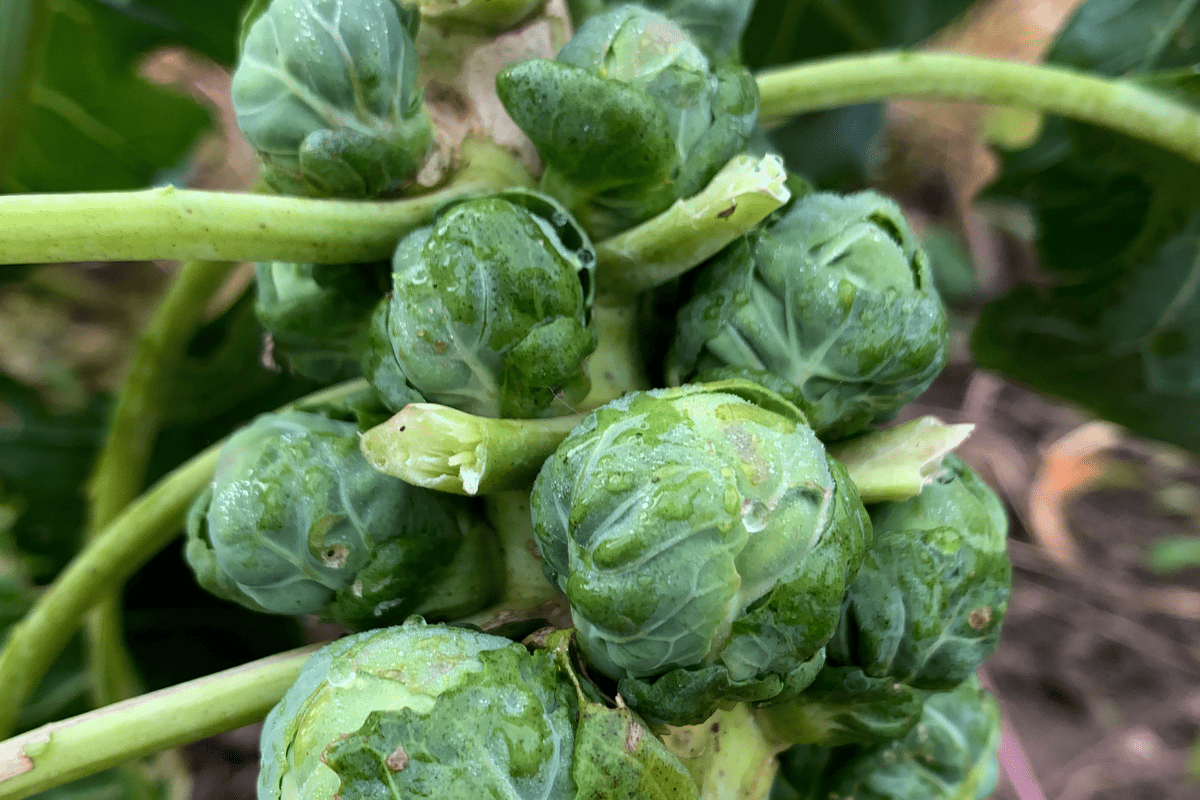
209, 28
845, 706
618, 758
836, 148
1174, 554
1127, 348
522, 750
1123, 37
87, 120
1119, 229
44, 459
782, 31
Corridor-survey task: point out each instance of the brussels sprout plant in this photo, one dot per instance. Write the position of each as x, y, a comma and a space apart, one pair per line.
559, 411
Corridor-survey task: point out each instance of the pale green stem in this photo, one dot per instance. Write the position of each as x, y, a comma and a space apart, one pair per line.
142, 529
170, 223
728, 755
64, 751
120, 471
896, 463
615, 369
526, 594
442, 448
1117, 104
692, 230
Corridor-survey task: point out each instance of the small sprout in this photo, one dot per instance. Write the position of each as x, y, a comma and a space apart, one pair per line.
630, 117
929, 601
832, 305
489, 311
325, 91
676, 594
296, 521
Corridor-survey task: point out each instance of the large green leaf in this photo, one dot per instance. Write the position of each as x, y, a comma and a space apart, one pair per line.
79, 117
44, 460
209, 28
1118, 330
782, 31
835, 149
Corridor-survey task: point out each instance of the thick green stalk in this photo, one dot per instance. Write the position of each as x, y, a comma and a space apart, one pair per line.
170, 223
142, 529
616, 367
727, 755
73, 748
897, 462
442, 448
526, 594
692, 230
120, 471
1117, 104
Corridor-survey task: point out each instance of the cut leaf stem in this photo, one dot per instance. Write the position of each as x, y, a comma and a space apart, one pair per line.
144, 528
64, 751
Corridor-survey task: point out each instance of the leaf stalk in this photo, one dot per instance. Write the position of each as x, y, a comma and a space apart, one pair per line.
1112, 103
64, 751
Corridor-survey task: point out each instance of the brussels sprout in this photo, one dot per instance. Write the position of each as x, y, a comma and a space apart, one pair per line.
430, 711
630, 117
317, 314
325, 91
488, 312
705, 541
296, 521
949, 755
487, 16
832, 305
715, 25
928, 603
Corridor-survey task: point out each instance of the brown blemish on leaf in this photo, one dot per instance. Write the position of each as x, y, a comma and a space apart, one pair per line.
980, 618
335, 556
728, 212
398, 760
633, 735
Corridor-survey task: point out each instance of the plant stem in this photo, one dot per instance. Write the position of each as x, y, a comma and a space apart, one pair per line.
897, 462
73, 748
442, 448
728, 755
170, 223
120, 470
526, 594
142, 529
847, 80
615, 368
692, 230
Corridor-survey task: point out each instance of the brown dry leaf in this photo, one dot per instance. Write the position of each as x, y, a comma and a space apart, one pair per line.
1070, 466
